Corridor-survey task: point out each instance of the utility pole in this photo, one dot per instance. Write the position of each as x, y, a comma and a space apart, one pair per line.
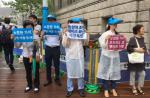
44, 11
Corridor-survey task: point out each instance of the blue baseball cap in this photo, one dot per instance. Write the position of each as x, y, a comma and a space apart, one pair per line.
76, 19
112, 21
51, 17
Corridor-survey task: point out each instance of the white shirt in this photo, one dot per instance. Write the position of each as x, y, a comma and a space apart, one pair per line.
27, 48
52, 40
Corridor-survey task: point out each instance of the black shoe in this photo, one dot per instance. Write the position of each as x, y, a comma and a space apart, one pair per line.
27, 89
81, 93
58, 82
12, 68
47, 83
69, 93
36, 90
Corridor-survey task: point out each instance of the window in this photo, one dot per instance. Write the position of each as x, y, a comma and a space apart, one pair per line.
53, 2
59, 4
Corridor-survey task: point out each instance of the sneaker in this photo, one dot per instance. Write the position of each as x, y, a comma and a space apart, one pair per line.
69, 93
81, 93
27, 89
36, 90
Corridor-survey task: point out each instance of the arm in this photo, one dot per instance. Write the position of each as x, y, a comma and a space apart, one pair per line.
37, 30
65, 40
86, 41
140, 50
103, 40
131, 47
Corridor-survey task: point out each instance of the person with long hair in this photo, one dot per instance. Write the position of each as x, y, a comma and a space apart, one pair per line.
109, 65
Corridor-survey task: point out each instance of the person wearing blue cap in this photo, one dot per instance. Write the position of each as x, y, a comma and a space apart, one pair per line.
74, 60
109, 65
52, 54
51, 18
75, 20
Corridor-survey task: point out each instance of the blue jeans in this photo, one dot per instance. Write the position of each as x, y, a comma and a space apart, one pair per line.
70, 86
106, 84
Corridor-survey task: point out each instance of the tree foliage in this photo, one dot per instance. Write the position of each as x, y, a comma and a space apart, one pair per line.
29, 6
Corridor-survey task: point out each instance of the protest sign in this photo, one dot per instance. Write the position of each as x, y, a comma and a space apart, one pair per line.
51, 28
117, 42
23, 34
76, 31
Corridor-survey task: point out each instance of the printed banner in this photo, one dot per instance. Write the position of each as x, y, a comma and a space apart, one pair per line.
51, 28
23, 34
117, 42
76, 31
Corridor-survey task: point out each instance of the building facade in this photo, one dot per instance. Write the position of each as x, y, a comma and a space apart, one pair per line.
96, 13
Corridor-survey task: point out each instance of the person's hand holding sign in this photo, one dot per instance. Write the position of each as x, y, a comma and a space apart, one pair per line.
64, 32
107, 38
86, 42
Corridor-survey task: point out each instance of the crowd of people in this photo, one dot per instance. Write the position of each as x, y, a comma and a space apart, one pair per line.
109, 70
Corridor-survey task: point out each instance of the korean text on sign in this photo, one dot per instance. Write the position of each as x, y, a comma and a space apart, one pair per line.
117, 42
76, 31
23, 34
51, 28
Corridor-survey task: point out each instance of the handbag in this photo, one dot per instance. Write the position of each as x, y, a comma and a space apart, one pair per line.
65, 41
136, 57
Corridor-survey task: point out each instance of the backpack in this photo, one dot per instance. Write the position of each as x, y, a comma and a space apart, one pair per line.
5, 35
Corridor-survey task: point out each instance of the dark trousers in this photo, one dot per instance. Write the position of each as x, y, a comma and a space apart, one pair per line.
106, 84
52, 54
8, 52
28, 68
1, 47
